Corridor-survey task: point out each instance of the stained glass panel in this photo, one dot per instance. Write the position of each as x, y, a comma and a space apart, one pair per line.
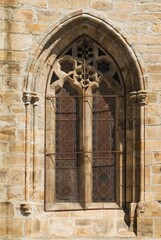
67, 135
104, 106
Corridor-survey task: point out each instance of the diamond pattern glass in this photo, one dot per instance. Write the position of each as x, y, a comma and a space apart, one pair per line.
67, 135
103, 145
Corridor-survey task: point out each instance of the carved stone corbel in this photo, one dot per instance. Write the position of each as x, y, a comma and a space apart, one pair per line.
141, 206
26, 209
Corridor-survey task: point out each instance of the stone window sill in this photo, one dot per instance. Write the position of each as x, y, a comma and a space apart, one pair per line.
78, 206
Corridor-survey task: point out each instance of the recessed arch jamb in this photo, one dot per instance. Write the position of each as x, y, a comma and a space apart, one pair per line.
110, 38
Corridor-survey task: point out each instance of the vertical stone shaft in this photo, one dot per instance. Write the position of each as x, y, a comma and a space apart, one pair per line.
27, 153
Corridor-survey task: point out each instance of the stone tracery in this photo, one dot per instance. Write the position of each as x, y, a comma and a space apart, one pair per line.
85, 64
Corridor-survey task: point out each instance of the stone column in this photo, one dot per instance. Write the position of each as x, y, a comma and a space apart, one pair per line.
138, 103
34, 101
29, 99
141, 96
87, 140
133, 97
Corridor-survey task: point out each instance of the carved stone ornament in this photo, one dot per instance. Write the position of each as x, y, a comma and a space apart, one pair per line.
138, 97
85, 64
141, 206
141, 96
26, 209
30, 98
133, 97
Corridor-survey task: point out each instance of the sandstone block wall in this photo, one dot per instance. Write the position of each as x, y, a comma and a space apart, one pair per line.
23, 26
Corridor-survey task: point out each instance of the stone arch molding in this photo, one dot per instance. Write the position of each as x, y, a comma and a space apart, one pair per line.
63, 34
40, 72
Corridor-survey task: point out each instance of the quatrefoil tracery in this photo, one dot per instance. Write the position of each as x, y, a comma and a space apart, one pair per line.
85, 75
85, 63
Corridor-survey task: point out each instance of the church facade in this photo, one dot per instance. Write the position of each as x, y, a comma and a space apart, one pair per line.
80, 119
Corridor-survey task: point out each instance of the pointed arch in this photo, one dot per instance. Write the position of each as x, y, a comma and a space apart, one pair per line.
97, 150
71, 28
40, 73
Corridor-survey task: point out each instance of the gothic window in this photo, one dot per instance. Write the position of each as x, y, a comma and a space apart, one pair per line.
85, 127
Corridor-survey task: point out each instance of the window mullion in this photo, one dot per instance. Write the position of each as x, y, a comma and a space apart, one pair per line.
87, 140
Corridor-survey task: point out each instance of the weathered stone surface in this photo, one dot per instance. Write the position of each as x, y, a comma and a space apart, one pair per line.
3, 176
45, 16
145, 227
83, 222
4, 147
17, 176
157, 190
79, 4
157, 179
157, 228
6, 209
82, 231
14, 227
24, 15
147, 175
59, 4
121, 226
35, 226
7, 133
104, 227
2, 42
35, 3
9, 3
16, 192
25, 26
61, 227
157, 157
3, 228
35, 28
101, 5
156, 169
150, 196
21, 41
125, 7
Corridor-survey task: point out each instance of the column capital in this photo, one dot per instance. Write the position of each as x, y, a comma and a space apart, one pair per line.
30, 98
138, 97
133, 97
141, 96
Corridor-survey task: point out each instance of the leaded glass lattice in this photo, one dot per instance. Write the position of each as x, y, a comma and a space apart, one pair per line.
67, 135
104, 106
